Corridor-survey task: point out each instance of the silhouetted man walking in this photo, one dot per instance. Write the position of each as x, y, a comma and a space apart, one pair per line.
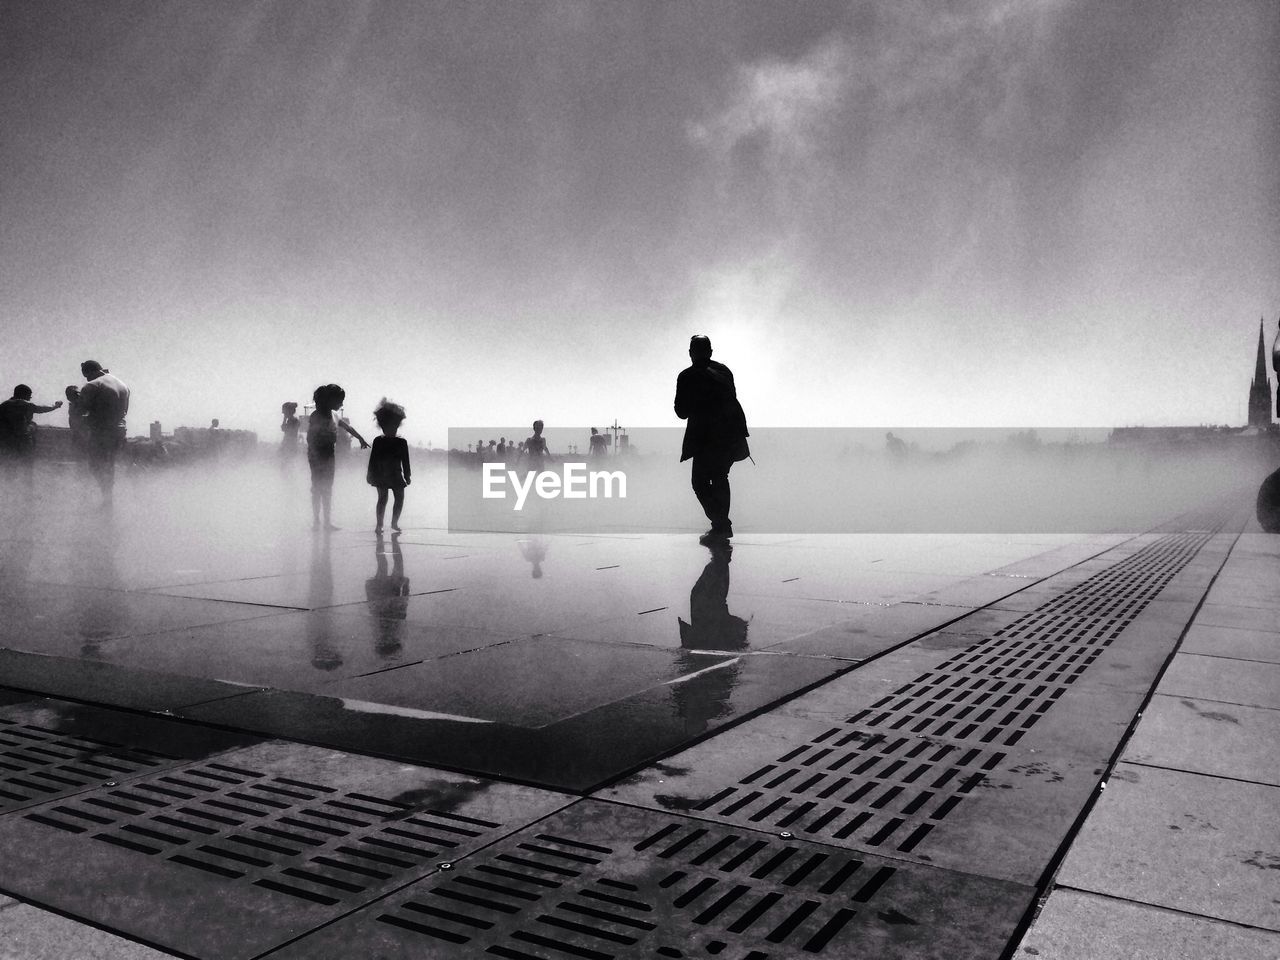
716, 434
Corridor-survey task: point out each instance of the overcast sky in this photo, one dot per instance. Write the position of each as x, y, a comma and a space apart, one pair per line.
897, 213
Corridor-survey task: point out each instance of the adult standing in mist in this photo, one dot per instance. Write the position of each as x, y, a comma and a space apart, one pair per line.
104, 404
715, 436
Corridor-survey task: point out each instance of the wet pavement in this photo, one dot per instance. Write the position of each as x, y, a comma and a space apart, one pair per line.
226, 724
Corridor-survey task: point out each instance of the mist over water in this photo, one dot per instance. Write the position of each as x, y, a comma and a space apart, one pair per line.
848, 481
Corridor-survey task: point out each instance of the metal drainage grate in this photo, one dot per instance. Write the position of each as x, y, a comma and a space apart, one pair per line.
231, 857
38, 764
603, 882
300, 839
889, 774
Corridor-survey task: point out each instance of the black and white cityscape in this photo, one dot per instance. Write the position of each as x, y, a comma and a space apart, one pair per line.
568, 480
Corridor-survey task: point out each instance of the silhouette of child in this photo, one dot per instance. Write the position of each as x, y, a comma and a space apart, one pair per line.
389, 462
322, 438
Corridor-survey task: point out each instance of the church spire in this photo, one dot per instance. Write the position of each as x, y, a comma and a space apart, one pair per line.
1260, 371
1260, 389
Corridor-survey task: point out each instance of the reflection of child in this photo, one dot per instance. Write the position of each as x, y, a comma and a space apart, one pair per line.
389, 462
322, 437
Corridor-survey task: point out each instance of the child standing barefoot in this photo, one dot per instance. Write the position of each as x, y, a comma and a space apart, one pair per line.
389, 462
322, 436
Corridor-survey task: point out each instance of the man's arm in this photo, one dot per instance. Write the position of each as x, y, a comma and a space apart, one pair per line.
36, 408
682, 403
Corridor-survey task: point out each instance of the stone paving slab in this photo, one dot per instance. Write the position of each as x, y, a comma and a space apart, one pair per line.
574, 753
1185, 841
29, 933
1209, 737
1232, 642
1081, 926
107, 684
1244, 618
1224, 679
232, 856
304, 650
80, 619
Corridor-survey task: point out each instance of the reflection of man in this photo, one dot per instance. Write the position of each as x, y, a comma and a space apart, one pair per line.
104, 403
716, 434
708, 694
711, 626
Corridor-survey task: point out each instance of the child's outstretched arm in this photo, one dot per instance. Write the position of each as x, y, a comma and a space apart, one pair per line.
364, 444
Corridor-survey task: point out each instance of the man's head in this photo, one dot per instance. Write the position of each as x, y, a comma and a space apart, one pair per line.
537, 427
594, 431
92, 369
72, 394
699, 348
22, 392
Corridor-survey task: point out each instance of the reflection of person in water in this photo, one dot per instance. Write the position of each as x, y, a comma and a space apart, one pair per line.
535, 551
388, 595
715, 436
711, 627
324, 656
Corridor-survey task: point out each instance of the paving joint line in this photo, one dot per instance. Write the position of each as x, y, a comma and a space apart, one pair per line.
1047, 880
1200, 773
1165, 909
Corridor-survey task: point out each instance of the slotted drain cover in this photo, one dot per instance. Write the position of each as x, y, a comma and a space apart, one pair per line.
894, 775
601, 881
50, 749
229, 857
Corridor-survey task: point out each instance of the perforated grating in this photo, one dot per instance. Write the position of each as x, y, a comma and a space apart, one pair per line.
301, 839
38, 764
231, 857
888, 775
602, 882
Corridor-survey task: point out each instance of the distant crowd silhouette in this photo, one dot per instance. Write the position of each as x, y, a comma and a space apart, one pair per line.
706, 398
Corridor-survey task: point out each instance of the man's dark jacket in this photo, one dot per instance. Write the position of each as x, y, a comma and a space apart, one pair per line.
707, 398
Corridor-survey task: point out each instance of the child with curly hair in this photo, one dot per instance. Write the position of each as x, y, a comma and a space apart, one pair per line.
389, 462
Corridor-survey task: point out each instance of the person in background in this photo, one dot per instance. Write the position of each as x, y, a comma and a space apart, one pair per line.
75, 420
389, 462
104, 403
599, 446
322, 438
18, 433
535, 448
289, 426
